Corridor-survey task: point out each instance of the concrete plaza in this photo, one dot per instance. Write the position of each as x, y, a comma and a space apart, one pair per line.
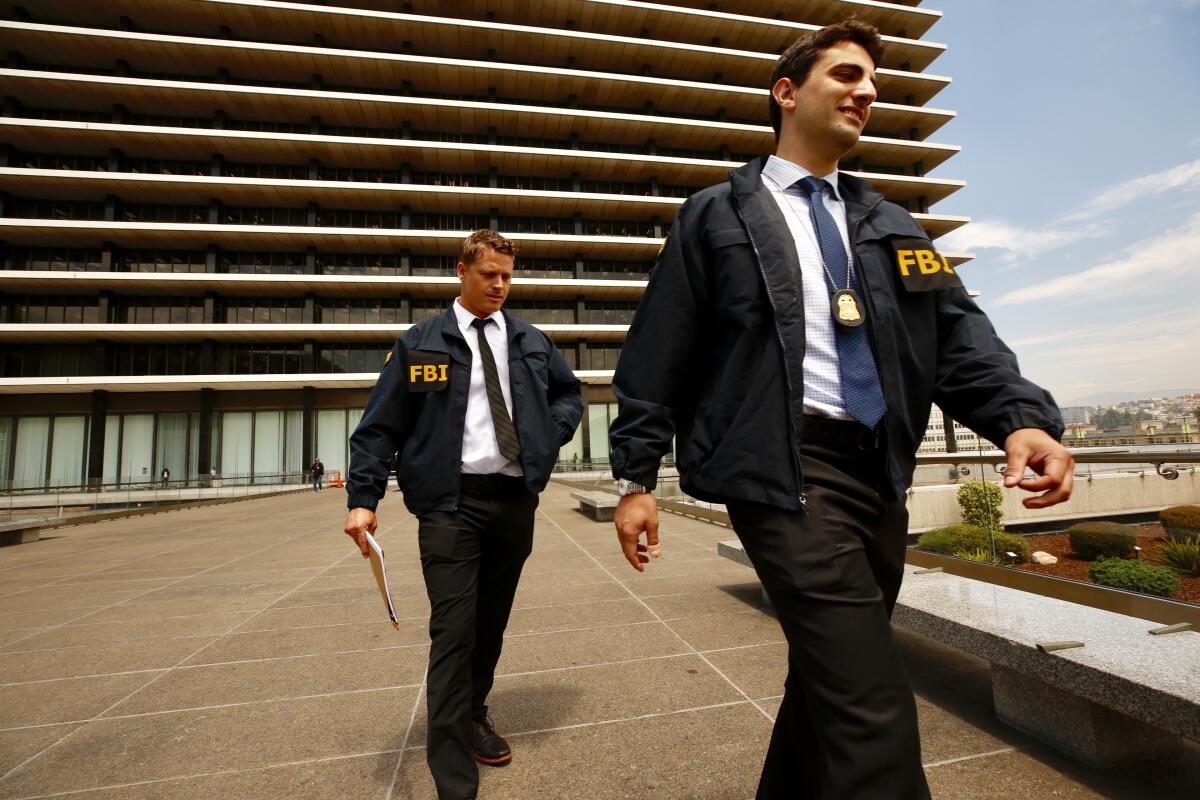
242, 651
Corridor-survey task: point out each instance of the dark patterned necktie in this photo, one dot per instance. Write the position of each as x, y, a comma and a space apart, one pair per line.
861, 393
506, 434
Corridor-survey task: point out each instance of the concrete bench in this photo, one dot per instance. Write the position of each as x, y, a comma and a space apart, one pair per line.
1125, 695
598, 506
21, 532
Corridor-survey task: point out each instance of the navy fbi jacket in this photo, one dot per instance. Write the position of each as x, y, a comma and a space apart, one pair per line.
715, 352
419, 404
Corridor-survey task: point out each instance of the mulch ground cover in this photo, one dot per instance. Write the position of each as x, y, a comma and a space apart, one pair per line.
1072, 567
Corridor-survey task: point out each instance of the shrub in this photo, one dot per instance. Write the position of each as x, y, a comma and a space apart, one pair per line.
1180, 522
1181, 556
981, 555
1092, 540
1134, 576
981, 505
960, 538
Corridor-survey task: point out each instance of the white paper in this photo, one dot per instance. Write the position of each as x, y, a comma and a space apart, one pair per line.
377, 567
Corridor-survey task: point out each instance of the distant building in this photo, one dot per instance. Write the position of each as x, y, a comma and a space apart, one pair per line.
965, 439
1076, 415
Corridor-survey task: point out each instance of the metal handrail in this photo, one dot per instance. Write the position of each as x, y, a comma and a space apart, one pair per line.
1159, 459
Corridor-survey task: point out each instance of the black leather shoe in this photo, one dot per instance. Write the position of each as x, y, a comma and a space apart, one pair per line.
487, 746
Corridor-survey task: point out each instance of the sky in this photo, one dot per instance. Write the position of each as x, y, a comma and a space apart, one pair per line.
1079, 122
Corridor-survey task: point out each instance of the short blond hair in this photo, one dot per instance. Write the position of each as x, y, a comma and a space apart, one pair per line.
475, 246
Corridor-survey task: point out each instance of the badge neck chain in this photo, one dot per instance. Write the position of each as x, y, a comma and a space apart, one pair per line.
844, 304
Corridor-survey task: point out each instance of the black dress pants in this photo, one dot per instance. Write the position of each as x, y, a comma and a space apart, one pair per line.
847, 726
472, 560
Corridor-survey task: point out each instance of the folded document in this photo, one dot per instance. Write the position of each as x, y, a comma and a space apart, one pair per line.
376, 556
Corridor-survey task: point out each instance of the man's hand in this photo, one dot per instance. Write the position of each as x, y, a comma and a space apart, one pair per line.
1054, 464
360, 522
637, 513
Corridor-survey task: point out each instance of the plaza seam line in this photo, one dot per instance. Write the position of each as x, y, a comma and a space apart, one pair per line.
218, 706
686, 643
290, 539
213, 774
988, 754
58, 581
412, 719
97, 610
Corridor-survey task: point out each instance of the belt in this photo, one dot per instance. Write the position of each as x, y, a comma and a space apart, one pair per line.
845, 432
492, 483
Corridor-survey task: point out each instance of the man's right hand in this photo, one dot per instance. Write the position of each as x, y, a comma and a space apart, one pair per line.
360, 522
637, 513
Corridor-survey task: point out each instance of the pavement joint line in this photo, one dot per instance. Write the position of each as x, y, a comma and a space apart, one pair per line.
745, 646
122, 641
158, 588
46, 749
618, 720
686, 643
960, 759
216, 707
216, 773
585, 628
191, 543
572, 667
412, 718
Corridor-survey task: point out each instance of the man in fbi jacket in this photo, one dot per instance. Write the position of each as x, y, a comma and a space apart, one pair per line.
477, 404
795, 329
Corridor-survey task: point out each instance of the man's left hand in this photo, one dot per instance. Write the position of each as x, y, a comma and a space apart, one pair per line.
1053, 463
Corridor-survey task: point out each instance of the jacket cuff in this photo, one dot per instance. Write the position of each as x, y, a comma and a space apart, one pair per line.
362, 500
1019, 418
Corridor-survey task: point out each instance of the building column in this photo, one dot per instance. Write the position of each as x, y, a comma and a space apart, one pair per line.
309, 417
204, 447
97, 424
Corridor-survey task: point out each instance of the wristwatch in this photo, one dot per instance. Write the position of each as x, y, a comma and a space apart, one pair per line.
627, 487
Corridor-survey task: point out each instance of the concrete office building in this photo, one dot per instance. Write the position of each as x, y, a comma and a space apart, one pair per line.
216, 215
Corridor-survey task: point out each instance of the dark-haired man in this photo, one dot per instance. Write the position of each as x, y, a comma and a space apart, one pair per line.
476, 404
795, 330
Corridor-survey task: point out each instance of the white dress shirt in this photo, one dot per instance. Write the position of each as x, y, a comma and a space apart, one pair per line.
480, 452
822, 378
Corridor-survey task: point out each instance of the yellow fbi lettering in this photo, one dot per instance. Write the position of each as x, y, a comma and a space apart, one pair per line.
427, 373
926, 262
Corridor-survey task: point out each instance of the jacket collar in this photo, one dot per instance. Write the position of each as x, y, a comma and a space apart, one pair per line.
865, 212
442, 334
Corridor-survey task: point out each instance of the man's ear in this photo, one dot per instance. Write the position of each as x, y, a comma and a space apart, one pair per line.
784, 92
461, 270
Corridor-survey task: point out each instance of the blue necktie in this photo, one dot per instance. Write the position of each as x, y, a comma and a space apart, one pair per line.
861, 393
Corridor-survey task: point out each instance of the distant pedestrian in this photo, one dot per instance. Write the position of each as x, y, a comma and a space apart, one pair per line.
318, 472
166, 476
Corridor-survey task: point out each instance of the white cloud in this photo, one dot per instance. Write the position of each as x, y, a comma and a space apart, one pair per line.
1020, 243
1145, 267
1013, 242
1182, 176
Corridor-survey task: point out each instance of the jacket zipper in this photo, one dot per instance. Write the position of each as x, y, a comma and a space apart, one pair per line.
802, 496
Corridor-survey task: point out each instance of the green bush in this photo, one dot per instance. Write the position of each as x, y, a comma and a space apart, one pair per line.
961, 538
1180, 522
1182, 556
1092, 540
1134, 576
981, 505
981, 555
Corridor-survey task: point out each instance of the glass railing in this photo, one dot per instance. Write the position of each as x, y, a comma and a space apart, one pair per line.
25, 503
1131, 527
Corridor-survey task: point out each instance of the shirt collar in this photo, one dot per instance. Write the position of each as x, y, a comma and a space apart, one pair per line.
785, 173
465, 318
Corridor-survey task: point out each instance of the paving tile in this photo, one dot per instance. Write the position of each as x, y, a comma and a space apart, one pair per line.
99, 659
22, 743
723, 629
64, 598
85, 633
759, 671
274, 679
576, 615
535, 595
407, 609
311, 641
539, 651
67, 700
593, 694
728, 599
365, 777
157, 746
715, 754
1009, 776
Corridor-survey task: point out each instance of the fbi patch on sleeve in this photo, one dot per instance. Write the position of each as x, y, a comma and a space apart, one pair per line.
428, 371
921, 268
